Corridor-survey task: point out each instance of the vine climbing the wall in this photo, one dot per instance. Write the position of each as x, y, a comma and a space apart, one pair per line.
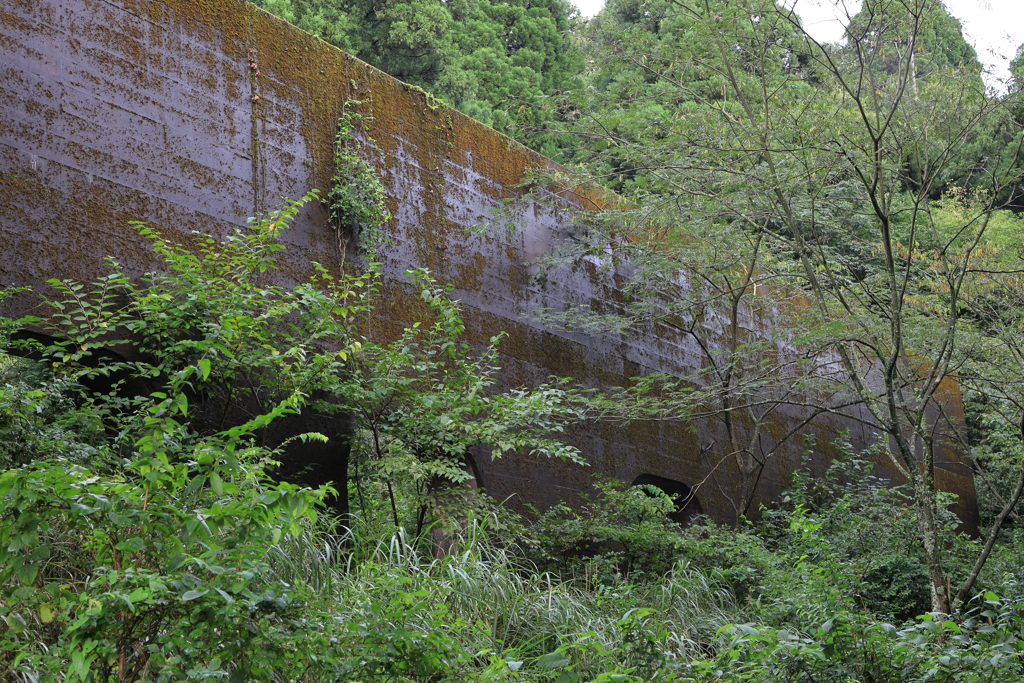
357, 200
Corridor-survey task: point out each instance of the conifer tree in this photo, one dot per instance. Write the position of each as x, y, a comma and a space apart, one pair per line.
499, 62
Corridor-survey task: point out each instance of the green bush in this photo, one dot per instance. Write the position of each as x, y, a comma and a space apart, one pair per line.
618, 531
39, 415
625, 532
143, 538
144, 558
896, 586
868, 526
140, 529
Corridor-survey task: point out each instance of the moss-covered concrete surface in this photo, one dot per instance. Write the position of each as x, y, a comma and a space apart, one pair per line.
121, 110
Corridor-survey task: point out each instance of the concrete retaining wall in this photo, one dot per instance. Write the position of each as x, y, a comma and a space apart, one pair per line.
121, 110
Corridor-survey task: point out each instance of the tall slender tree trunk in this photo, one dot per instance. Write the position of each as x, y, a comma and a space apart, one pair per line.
925, 502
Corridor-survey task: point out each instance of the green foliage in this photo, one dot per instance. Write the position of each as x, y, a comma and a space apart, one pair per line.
421, 402
499, 62
938, 41
357, 200
620, 531
867, 526
520, 624
826, 620
625, 533
830, 170
39, 415
139, 533
996, 447
132, 560
654, 70
512, 622
984, 646
257, 343
152, 564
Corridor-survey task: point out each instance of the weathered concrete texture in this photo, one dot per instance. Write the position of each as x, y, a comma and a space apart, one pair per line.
121, 110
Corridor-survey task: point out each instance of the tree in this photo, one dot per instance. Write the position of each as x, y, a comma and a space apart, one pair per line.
927, 37
654, 76
835, 156
715, 291
647, 70
135, 532
934, 46
423, 401
499, 62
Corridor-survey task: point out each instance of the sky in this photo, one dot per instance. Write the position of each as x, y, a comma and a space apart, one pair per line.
994, 27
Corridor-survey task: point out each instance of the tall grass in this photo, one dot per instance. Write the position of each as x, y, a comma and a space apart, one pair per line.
497, 604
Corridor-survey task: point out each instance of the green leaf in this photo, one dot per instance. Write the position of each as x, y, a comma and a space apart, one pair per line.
27, 572
194, 485
552, 660
81, 663
46, 613
131, 545
204, 367
175, 562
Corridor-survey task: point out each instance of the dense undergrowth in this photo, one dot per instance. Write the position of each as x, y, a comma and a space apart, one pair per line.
142, 539
776, 602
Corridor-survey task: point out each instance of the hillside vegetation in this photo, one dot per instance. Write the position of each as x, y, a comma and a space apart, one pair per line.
154, 528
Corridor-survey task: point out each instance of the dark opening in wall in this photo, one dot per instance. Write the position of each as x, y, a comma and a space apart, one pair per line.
688, 508
110, 376
47, 411
30, 363
475, 482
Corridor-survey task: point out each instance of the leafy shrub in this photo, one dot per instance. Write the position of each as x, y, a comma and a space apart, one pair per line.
155, 554
39, 415
867, 526
620, 530
896, 586
626, 531
147, 559
421, 402
984, 645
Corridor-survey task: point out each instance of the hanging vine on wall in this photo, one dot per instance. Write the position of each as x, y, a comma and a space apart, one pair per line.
357, 200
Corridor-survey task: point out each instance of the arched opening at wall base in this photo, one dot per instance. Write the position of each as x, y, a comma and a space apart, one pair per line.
84, 396
688, 507
62, 400
102, 370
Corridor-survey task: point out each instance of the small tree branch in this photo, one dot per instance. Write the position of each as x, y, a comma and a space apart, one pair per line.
965, 589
